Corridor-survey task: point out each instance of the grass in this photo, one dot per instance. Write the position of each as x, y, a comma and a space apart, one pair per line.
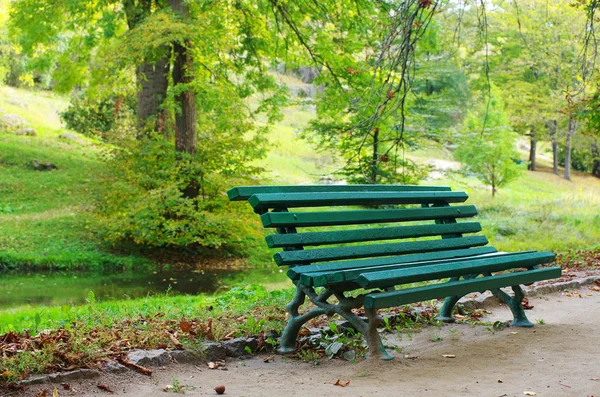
45, 215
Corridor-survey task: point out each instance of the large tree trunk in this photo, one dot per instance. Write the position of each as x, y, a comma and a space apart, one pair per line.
570, 133
151, 77
553, 135
532, 149
185, 116
152, 90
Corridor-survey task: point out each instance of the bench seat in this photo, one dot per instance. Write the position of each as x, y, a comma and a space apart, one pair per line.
381, 239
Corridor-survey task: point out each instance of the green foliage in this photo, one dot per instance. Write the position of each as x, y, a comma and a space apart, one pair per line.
110, 118
488, 151
143, 200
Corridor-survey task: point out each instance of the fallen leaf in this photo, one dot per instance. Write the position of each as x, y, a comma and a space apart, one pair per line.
409, 357
304, 332
563, 385
449, 355
105, 388
341, 383
459, 317
185, 326
166, 388
514, 332
55, 393
66, 386
594, 378
595, 288
525, 304
212, 365
267, 359
530, 393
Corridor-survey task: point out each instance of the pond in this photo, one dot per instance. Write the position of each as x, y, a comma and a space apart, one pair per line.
63, 287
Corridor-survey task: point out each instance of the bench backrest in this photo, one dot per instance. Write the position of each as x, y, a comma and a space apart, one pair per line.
380, 215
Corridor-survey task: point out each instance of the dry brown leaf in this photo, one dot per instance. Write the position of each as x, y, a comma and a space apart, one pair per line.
594, 378
409, 357
55, 393
449, 355
105, 387
304, 331
341, 383
459, 317
267, 359
176, 342
595, 288
530, 393
185, 326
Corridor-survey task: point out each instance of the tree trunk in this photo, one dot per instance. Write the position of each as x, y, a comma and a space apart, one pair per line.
570, 133
532, 149
185, 115
152, 91
375, 155
596, 164
553, 134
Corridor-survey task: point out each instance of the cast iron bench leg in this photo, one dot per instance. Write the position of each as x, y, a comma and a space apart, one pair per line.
515, 306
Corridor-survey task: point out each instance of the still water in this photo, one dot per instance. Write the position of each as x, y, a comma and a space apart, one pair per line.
60, 288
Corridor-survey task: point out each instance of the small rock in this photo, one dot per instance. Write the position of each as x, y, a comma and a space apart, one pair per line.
70, 136
147, 358
114, 368
237, 347
220, 389
18, 102
11, 122
27, 132
43, 165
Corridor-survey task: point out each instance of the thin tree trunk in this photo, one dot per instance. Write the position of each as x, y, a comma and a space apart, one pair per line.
553, 134
532, 149
375, 155
596, 156
570, 133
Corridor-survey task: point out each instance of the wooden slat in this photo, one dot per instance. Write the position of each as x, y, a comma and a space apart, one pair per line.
372, 234
498, 263
294, 273
457, 288
319, 279
334, 199
287, 258
333, 218
245, 192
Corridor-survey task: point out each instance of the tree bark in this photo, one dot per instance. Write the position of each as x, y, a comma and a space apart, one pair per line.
596, 164
532, 149
570, 133
375, 160
151, 77
553, 135
152, 91
185, 115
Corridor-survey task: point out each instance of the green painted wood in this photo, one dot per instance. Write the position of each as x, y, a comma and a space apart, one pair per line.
458, 288
288, 258
319, 279
295, 272
369, 234
498, 263
240, 193
358, 217
294, 200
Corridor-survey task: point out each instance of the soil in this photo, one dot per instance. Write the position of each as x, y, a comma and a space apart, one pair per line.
560, 356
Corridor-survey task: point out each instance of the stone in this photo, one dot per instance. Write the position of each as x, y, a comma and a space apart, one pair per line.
70, 136
148, 358
237, 347
114, 368
187, 356
11, 122
43, 165
214, 351
78, 374
27, 132
18, 102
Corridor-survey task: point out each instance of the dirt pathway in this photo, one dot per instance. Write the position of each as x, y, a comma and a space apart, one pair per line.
558, 358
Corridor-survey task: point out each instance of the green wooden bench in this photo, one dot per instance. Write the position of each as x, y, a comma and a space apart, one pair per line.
356, 247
